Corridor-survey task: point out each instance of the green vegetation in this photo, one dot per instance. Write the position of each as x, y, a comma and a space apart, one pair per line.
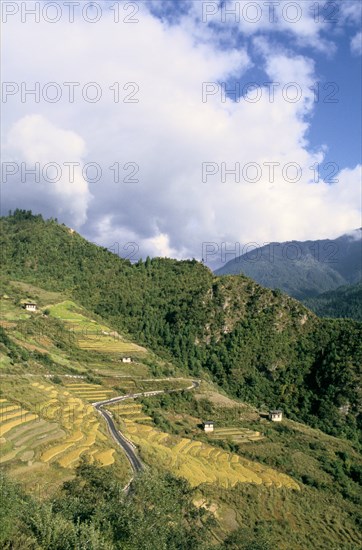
92, 512
58, 340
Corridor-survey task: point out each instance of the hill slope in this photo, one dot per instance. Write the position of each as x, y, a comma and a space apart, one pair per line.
345, 301
302, 269
259, 345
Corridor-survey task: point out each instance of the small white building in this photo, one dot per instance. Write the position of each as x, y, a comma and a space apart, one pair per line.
208, 426
30, 307
126, 360
276, 415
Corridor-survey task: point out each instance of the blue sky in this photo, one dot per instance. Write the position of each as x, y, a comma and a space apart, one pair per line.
179, 148
339, 125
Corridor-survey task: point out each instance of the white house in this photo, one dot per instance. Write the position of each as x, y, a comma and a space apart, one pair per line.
276, 415
208, 426
126, 360
30, 307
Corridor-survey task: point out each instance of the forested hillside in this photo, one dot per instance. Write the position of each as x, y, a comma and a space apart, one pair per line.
260, 345
346, 301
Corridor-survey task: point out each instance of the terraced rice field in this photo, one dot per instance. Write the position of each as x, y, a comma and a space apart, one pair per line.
69, 312
130, 411
80, 422
22, 432
91, 335
90, 392
12, 415
65, 428
239, 435
106, 344
199, 462
105, 457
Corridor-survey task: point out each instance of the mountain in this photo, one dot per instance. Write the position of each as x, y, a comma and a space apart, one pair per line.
344, 302
302, 269
259, 345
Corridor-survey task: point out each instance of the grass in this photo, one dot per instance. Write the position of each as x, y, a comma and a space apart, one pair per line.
80, 333
11, 312
163, 384
35, 293
13, 454
301, 520
69, 312
245, 487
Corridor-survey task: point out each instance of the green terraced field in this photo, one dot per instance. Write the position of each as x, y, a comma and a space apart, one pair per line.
239, 435
91, 335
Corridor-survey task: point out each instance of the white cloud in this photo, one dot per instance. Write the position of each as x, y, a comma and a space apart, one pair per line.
349, 12
38, 146
170, 132
356, 44
299, 20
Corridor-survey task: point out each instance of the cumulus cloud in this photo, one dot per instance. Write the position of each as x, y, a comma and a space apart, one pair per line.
39, 151
299, 20
356, 44
349, 12
177, 146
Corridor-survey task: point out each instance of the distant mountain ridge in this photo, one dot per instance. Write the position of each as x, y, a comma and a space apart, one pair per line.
302, 269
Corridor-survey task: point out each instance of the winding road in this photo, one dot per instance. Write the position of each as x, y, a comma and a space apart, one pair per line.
121, 440
130, 451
